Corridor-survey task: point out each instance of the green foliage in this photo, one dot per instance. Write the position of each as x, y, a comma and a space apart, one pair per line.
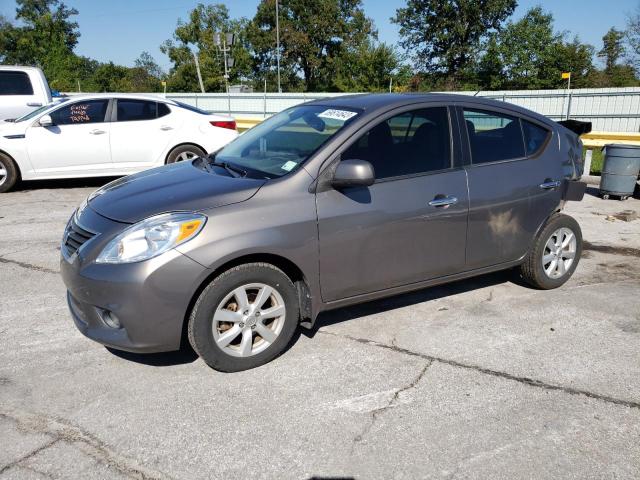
331, 45
318, 39
613, 48
196, 36
529, 54
369, 68
633, 37
445, 35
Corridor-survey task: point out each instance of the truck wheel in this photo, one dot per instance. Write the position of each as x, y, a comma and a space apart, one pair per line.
555, 253
8, 173
244, 318
184, 152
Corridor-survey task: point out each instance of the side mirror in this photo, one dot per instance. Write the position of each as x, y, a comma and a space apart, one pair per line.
45, 121
353, 173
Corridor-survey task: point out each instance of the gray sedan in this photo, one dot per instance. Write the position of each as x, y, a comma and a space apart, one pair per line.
326, 204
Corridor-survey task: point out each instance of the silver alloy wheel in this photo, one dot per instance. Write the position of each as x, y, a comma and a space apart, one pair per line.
248, 320
559, 253
3, 174
186, 156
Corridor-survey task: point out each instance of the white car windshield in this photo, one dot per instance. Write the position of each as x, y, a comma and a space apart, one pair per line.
40, 110
285, 141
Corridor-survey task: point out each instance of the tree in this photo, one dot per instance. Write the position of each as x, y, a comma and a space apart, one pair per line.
490, 75
633, 37
446, 34
46, 34
533, 56
315, 37
369, 68
613, 48
196, 35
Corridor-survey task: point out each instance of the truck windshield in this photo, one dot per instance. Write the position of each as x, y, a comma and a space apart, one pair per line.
40, 110
285, 141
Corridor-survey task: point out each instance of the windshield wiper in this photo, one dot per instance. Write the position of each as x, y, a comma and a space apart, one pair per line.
232, 169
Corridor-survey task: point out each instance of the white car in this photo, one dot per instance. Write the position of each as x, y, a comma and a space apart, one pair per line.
106, 135
22, 90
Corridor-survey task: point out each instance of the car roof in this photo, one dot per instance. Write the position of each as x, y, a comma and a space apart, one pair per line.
20, 68
372, 102
135, 96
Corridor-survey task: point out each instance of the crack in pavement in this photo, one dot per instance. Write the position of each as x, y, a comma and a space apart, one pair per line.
29, 455
62, 430
487, 371
374, 414
28, 266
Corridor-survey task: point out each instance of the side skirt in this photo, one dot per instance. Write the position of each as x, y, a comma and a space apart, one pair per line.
414, 286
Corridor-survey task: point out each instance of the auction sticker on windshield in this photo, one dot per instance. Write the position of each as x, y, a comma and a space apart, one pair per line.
288, 166
334, 114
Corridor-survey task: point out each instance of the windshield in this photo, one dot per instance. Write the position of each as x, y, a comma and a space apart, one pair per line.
40, 110
285, 141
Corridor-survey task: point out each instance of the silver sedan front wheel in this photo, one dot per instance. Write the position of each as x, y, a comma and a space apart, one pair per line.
249, 319
559, 253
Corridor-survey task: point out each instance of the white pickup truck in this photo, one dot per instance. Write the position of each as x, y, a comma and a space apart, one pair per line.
22, 90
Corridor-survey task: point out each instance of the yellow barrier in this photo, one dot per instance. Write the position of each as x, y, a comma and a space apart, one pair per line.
247, 123
600, 139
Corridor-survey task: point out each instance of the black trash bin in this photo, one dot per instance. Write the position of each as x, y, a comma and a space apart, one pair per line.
620, 170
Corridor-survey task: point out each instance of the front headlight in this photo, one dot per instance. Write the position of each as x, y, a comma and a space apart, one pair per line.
152, 237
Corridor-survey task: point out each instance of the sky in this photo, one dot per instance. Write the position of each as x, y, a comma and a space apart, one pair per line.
119, 30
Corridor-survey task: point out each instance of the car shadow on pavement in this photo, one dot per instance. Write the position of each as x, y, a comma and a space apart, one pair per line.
412, 298
164, 359
94, 182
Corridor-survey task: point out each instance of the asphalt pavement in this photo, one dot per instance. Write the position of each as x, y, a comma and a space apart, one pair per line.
483, 378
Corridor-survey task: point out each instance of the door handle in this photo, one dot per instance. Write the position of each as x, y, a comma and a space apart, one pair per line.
165, 128
443, 201
549, 184
34, 104
97, 132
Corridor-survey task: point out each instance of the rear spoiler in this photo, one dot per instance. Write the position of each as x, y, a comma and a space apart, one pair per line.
577, 127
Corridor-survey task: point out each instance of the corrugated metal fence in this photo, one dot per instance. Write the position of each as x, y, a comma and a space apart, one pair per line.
609, 109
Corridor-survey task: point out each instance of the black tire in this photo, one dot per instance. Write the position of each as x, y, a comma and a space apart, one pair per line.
8, 180
176, 153
201, 324
533, 271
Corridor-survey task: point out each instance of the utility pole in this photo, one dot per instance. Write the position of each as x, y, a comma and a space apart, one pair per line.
567, 76
195, 58
278, 42
224, 42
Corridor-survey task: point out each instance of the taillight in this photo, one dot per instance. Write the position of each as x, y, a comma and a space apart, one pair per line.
230, 124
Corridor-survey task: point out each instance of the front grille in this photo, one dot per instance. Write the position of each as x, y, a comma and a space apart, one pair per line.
75, 236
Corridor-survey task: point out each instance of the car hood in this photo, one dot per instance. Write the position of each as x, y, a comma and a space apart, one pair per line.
11, 128
174, 188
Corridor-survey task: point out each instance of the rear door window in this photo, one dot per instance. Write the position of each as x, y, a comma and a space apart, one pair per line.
493, 136
15, 83
535, 137
136, 110
91, 111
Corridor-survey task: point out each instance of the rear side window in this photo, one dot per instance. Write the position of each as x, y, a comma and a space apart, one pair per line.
191, 108
134, 110
163, 110
534, 137
15, 83
91, 111
493, 136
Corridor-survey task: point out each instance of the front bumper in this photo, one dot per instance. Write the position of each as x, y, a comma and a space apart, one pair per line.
150, 299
